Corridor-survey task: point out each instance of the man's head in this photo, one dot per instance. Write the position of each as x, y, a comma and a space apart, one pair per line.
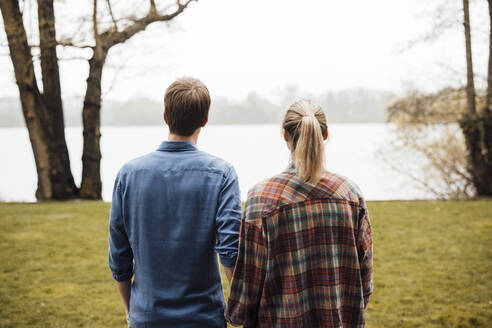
186, 105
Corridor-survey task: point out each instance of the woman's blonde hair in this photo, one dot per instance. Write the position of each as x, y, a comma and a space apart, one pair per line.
305, 123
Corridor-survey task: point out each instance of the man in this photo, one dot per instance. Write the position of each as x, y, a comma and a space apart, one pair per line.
172, 211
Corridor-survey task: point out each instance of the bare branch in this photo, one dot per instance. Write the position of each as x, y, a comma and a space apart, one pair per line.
69, 43
118, 70
445, 17
112, 16
153, 8
94, 20
73, 58
64, 43
111, 39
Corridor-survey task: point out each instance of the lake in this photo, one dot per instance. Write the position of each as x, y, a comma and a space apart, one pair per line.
256, 151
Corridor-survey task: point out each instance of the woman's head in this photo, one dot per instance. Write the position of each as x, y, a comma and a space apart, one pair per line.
305, 130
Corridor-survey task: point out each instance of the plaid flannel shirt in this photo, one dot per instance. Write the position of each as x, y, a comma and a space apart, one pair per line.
305, 255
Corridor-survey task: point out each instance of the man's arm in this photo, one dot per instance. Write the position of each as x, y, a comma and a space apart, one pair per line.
228, 221
125, 289
120, 254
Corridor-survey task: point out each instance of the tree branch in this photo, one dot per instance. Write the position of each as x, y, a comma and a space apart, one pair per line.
153, 8
110, 39
94, 20
112, 16
69, 43
63, 43
73, 58
118, 70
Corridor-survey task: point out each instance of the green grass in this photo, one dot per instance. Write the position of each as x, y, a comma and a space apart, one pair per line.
433, 265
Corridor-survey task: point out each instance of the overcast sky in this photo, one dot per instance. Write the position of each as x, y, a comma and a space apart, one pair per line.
239, 46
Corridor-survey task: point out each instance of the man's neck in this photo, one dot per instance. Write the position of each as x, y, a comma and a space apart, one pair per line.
176, 137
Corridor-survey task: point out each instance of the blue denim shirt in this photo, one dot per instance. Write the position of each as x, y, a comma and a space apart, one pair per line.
172, 211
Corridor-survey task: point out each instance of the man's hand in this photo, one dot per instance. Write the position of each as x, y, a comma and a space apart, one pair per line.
125, 289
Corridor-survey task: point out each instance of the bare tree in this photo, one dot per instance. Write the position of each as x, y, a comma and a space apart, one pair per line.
470, 85
488, 104
43, 112
91, 113
427, 129
467, 108
476, 125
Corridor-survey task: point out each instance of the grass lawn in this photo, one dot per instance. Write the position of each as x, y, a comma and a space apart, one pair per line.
433, 265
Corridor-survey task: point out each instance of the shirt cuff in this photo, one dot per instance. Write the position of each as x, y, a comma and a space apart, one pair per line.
123, 276
232, 322
228, 260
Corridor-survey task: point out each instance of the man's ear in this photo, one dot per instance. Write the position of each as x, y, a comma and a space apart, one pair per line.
165, 118
325, 134
205, 122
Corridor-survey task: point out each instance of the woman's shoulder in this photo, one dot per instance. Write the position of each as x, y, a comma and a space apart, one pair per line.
341, 187
265, 195
270, 188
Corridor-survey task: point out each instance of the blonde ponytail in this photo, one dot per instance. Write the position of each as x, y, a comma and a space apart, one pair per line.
305, 123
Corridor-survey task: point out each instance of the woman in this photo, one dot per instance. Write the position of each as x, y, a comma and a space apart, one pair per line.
305, 250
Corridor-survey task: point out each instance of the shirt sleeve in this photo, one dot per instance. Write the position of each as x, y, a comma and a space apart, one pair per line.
228, 219
364, 250
249, 275
120, 253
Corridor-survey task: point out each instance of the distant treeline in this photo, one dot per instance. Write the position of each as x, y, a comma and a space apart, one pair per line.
348, 106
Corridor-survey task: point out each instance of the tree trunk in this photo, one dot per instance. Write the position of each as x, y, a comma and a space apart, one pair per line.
36, 115
487, 112
91, 117
62, 178
472, 123
488, 107
470, 85
472, 127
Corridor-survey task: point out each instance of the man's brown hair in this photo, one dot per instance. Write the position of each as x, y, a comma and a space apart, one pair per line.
186, 104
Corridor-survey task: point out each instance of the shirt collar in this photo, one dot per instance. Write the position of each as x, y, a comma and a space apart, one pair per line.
291, 168
177, 146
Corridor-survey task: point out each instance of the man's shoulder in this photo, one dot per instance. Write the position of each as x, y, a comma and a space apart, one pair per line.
215, 163
137, 163
200, 161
